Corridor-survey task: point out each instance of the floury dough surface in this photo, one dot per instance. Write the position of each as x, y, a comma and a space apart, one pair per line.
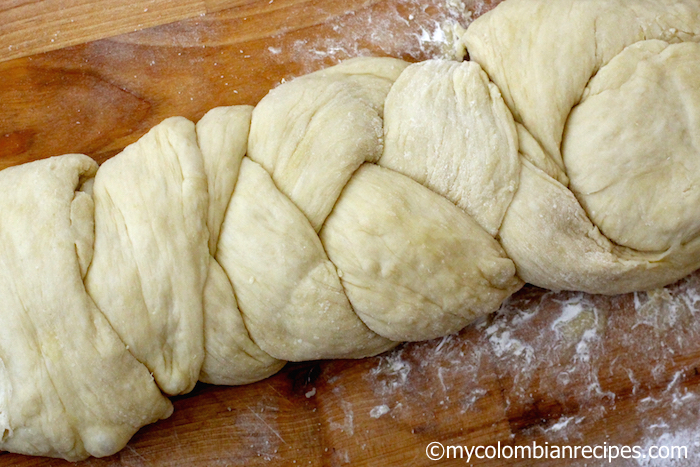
638, 176
68, 385
414, 266
466, 150
553, 241
344, 230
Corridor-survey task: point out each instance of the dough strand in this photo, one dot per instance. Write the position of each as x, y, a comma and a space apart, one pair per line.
353, 208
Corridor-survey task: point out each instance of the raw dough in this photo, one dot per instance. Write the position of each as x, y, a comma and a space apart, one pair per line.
527, 48
151, 257
68, 385
542, 53
555, 245
414, 266
230, 355
312, 133
288, 291
446, 126
638, 175
199, 262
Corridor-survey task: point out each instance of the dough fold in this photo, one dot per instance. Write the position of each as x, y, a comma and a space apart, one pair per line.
68, 385
638, 176
446, 126
542, 53
359, 206
617, 125
414, 265
288, 291
151, 258
312, 133
554, 244
230, 355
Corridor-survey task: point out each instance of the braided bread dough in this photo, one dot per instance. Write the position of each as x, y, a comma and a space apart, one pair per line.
542, 54
68, 385
353, 208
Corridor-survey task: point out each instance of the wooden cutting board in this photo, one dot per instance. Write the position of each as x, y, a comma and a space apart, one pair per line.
558, 368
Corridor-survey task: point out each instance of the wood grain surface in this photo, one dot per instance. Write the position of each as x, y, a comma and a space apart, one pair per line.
33, 26
557, 368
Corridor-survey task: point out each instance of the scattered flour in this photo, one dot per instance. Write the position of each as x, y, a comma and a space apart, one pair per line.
392, 372
347, 426
379, 410
410, 29
561, 356
571, 360
261, 435
689, 438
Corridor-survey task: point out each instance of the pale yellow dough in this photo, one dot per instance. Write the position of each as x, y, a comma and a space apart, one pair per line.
379, 202
446, 126
68, 385
605, 98
312, 133
230, 355
638, 175
288, 291
151, 257
542, 53
414, 265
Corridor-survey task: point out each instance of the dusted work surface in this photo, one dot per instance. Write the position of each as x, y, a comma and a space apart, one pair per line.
566, 369
96, 98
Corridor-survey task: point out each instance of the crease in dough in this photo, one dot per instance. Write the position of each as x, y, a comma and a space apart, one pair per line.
525, 46
446, 126
230, 355
150, 259
410, 263
313, 132
604, 163
68, 386
638, 176
288, 291
413, 264
555, 245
